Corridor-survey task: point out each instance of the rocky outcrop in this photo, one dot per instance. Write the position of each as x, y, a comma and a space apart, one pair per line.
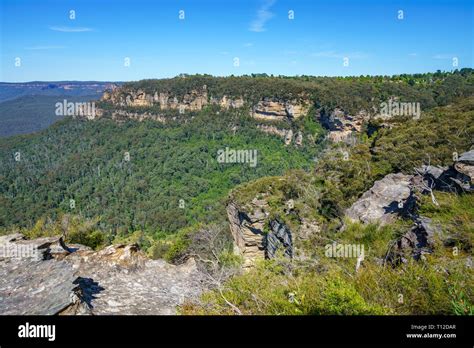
395, 195
455, 178
268, 109
228, 103
247, 231
419, 240
286, 134
192, 101
196, 99
59, 279
388, 198
278, 238
255, 235
341, 124
299, 139
465, 168
122, 115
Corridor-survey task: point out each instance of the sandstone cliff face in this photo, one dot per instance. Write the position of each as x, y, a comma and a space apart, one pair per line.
268, 109
121, 115
195, 100
192, 101
228, 103
256, 236
74, 279
247, 231
341, 124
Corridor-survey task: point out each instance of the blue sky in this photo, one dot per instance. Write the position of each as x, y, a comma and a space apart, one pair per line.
94, 46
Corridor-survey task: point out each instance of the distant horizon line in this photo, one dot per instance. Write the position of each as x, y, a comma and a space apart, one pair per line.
231, 75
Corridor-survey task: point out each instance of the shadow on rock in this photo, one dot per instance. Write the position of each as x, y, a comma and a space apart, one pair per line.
89, 288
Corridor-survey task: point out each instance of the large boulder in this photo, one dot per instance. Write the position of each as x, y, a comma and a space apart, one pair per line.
390, 197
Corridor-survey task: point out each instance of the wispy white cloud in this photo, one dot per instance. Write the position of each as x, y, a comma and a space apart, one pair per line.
248, 44
263, 16
34, 48
413, 54
70, 29
334, 54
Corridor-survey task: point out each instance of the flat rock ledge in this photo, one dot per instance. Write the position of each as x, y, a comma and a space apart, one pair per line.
45, 277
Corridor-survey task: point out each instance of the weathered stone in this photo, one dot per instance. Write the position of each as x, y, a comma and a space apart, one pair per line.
299, 139
268, 109
247, 232
288, 137
341, 124
434, 177
465, 168
255, 235
456, 178
118, 279
417, 241
279, 238
388, 198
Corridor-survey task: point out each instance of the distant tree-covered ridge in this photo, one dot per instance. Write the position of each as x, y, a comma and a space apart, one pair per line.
349, 93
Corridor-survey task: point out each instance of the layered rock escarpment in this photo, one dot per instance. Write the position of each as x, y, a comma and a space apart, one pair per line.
339, 123
60, 279
256, 236
194, 100
197, 99
268, 109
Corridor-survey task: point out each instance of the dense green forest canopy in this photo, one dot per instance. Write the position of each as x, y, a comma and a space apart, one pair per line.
86, 161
